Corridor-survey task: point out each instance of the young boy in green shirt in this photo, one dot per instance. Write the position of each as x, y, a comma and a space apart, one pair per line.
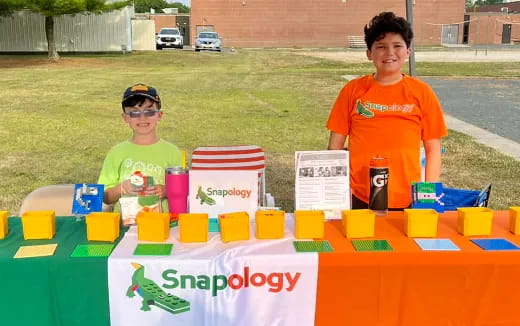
144, 152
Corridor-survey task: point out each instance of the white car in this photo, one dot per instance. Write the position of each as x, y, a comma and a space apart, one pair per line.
169, 37
208, 41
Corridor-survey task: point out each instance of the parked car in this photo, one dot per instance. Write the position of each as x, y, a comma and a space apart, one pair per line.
208, 41
169, 37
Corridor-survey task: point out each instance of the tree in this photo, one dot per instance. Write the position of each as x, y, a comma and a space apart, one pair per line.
472, 4
487, 2
7, 7
54, 8
146, 5
183, 9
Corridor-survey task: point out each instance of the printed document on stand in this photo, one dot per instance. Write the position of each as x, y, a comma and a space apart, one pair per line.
322, 181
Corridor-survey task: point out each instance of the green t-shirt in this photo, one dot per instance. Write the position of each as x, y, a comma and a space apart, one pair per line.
125, 158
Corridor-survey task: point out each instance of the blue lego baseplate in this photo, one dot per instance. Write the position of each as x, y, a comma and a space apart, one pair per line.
88, 198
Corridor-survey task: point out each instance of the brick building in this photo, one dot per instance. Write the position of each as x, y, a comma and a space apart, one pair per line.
508, 7
493, 28
495, 24
318, 23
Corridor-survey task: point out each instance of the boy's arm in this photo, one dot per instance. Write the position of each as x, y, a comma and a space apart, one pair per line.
113, 194
337, 141
432, 150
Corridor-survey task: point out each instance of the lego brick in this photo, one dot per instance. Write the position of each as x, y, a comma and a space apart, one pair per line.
193, 227
234, 226
4, 224
421, 223
153, 226
358, 223
514, 219
39, 225
309, 224
103, 226
474, 221
270, 224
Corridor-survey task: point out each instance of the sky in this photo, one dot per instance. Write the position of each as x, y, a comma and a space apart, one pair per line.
184, 2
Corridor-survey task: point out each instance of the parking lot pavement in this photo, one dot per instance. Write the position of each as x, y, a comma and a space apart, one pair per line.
490, 104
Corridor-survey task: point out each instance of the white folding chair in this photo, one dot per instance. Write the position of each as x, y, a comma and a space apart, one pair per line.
57, 198
237, 157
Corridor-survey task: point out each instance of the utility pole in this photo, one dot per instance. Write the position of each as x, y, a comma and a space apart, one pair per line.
409, 17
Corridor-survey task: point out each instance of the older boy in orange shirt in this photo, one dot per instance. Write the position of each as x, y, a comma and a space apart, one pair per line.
388, 114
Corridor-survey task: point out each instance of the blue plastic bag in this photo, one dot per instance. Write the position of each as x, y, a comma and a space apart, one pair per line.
454, 198
436, 196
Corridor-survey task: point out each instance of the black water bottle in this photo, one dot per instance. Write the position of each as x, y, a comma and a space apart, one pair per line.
378, 200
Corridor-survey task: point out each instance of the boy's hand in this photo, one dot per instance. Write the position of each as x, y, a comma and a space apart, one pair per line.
157, 190
127, 188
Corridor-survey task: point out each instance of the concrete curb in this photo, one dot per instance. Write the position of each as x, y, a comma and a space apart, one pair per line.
482, 136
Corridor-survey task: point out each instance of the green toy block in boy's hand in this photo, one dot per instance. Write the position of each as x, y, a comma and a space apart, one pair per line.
140, 182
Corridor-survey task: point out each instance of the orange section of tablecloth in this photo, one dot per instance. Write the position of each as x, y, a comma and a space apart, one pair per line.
409, 286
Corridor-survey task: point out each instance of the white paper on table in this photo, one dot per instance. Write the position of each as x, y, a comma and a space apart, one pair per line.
322, 181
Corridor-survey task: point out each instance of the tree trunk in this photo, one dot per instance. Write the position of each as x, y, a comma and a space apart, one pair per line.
51, 44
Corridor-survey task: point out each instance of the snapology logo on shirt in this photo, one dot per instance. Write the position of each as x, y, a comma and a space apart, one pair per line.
207, 196
153, 294
147, 169
367, 110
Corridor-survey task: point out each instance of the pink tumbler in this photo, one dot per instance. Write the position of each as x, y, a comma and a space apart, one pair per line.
176, 180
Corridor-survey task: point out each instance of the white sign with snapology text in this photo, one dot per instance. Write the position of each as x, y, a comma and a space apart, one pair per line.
251, 282
223, 191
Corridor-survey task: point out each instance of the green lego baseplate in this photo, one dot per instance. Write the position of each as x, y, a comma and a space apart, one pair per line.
371, 245
153, 249
312, 246
92, 250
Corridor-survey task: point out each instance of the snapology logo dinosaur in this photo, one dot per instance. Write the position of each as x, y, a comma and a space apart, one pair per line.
153, 294
361, 110
204, 199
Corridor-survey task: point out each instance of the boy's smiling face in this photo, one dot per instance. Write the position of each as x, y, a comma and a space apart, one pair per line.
388, 55
143, 125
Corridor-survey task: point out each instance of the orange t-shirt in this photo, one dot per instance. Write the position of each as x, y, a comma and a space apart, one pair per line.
387, 121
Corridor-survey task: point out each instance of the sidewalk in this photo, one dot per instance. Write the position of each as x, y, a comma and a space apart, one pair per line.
501, 144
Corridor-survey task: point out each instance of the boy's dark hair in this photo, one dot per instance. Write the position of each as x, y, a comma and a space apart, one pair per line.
387, 22
136, 100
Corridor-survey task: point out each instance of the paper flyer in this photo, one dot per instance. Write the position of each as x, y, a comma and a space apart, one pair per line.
322, 181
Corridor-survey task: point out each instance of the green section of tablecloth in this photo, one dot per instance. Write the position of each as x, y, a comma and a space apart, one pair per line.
57, 290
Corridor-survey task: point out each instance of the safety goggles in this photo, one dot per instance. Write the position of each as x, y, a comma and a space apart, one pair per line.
145, 113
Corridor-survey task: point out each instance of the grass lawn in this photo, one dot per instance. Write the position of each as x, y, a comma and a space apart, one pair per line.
59, 120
